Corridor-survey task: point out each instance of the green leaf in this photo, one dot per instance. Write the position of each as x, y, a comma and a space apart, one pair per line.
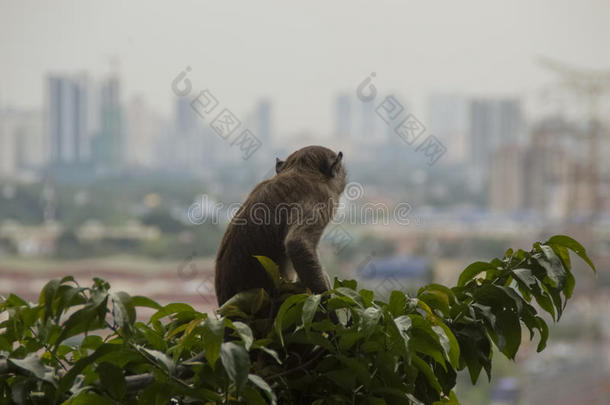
367, 296
90, 317
67, 380
552, 265
369, 321
525, 276
88, 398
425, 369
236, 362
402, 324
270, 352
574, 246
348, 339
141, 301
423, 344
449, 343
284, 308
112, 379
345, 378
171, 309
161, 359
47, 296
244, 332
123, 311
505, 304
310, 306
245, 303
213, 334
252, 397
437, 296
398, 302
352, 295
473, 270
262, 384
272, 269
34, 365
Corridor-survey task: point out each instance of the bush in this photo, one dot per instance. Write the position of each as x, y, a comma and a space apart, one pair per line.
84, 345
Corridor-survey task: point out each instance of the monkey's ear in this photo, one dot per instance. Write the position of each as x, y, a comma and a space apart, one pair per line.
278, 165
335, 164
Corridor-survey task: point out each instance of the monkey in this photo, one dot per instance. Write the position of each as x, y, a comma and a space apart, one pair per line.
308, 183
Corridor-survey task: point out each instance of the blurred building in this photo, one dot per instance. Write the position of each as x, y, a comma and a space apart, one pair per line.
23, 149
507, 179
69, 118
185, 144
343, 116
263, 122
547, 167
448, 119
144, 130
368, 122
109, 144
493, 122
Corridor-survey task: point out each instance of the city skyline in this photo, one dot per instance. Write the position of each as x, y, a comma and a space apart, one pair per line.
257, 62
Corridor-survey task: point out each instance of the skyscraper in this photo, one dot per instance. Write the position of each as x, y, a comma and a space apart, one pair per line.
493, 123
263, 130
343, 116
368, 121
22, 144
144, 130
67, 115
186, 119
448, 120
110, 143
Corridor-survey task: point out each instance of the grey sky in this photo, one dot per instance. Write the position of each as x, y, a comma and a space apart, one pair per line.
299, 55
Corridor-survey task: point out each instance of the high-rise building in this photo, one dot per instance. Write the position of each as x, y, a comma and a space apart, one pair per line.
343, 116
110, 142
447, 119
68, 119
186, 119
493, 123
506, 179
144, 130
263, 130
368, 121
22, 143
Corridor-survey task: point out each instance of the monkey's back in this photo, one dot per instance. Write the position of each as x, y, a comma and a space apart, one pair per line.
259, 229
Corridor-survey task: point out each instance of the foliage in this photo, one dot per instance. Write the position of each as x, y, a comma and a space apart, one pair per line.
84, 345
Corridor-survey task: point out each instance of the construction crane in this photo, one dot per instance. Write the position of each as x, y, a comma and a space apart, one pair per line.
592, 85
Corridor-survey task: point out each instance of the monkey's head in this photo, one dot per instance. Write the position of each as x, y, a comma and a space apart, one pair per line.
317, 159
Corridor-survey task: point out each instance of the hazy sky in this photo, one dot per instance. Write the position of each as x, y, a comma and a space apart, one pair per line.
298, 55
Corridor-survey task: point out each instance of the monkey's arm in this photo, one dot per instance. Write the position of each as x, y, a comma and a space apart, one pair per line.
300, 244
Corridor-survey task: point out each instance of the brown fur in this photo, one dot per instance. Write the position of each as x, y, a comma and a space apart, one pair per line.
311, 181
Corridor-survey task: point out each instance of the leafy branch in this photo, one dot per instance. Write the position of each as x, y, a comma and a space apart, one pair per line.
80, 345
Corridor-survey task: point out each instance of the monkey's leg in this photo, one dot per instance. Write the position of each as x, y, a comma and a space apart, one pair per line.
301, 249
